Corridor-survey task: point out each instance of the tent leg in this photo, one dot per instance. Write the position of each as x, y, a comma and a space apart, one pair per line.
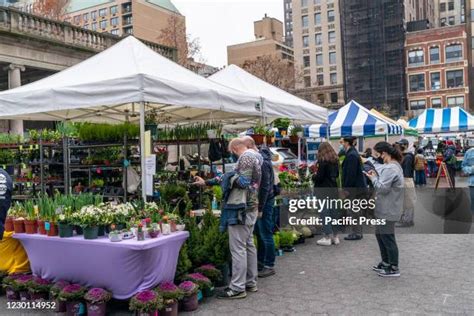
142, 149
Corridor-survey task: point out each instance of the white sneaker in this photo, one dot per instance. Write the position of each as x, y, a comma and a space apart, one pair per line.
324, 241
336, 241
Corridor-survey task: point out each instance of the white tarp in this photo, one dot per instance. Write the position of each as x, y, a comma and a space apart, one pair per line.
105, 86
276, 102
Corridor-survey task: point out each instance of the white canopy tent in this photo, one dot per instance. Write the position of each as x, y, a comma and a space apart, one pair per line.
107, 86
276, 102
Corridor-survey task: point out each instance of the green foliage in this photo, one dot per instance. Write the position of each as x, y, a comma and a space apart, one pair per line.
9, 139
89, 132
296, 129
287, 238
215, 245
188, 132
7, 157
184, 263
276, 240
67, 129
282, 123
217, 191
259, 129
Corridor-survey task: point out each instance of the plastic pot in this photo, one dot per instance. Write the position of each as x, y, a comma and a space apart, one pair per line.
9, 224
91, 232
79, 230
99, 309
39, 297
60, 306
170, 310
154, 234
31, 226
75, 308
41, 229
101, 231
25, 295
65, 230
19, 226
53, 228
152, 313
12, 295
189, 303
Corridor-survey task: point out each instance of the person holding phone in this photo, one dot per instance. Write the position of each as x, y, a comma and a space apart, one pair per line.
388, 182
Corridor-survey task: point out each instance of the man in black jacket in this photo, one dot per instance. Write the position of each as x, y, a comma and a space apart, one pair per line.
6, 187
353, 181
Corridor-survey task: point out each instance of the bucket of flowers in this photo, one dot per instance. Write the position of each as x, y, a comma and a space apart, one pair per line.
97, 299
205, 285
189, 302
73, 295
9, 284
21, 285
211, 272
146, 303
54, 291
39, 289
171, 295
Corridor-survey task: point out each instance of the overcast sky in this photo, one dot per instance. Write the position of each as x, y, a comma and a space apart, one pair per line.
219, 23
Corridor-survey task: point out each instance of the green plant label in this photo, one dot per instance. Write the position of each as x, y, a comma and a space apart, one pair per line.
47, 226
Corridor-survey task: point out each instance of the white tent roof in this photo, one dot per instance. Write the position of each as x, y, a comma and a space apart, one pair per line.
105, 86
276, 101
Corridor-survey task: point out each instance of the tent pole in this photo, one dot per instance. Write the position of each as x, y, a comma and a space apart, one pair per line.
142, 149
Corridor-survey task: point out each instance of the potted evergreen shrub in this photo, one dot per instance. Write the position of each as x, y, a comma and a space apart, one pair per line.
282, 124
171, 295
21, 285
146, 303
189, 302
10, 286
56, 288
97, 299
296, 133
73, 295
39, 289
205, 285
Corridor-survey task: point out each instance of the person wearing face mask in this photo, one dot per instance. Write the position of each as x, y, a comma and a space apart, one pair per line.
388, 182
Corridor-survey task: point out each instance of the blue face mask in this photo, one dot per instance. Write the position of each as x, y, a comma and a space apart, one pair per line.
341, 147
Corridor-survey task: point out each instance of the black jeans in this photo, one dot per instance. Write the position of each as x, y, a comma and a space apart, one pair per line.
385, 235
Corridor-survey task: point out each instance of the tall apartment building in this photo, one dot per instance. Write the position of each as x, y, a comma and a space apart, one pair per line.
318, 51
144, 19
268, 42
450, 12
288, 9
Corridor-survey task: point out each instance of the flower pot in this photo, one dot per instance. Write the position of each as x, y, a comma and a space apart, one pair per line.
53, 228
12, 295
19, 226
152, 313
79, 230
61, 306
91, 232
269, 140
294, 139
173, 226
75, 308
259, 139
98, 309
31, 226
101, 231
154, 234
170, 310
41, 229
25, 295
200, 296
209, 291
9, 224
225, 280
39, 297
180, 227
65, 230
165, 229
189, 303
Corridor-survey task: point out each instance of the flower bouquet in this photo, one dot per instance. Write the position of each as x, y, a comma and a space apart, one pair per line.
146, 303
73, 295
189, 302
56, 288
171, 295
97, 299
10, 287
39, 289
205, 285
210, 271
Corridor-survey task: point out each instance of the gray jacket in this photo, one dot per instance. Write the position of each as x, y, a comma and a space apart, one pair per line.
389, 191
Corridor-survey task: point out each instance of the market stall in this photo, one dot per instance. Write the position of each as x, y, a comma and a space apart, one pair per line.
447, 120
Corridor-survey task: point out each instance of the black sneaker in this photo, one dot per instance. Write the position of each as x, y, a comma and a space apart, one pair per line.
354, 237
390, 272
380, 267
252, 288
231, 294
266, 272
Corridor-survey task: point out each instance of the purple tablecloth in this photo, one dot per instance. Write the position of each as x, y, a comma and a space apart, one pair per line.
124, 268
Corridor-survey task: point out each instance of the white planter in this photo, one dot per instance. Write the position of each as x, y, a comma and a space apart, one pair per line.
115, 237
165, 229
181, 227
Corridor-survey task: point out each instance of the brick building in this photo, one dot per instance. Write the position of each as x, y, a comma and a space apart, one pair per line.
437, 71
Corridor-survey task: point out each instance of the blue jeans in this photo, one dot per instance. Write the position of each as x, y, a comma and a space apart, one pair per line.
420, 177
330, 229
265, 243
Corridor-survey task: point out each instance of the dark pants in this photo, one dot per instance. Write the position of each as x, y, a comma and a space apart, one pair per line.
265, 243
385, 235
432, 168
420, 177
452, 173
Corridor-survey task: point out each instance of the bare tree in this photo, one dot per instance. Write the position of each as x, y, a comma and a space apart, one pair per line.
276, 71
52, 9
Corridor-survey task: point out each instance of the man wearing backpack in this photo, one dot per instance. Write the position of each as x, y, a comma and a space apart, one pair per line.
408, 166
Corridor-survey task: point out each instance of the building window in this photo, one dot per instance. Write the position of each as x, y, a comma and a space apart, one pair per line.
332, 58
307, 82
304, 3
94, 26
317, 19
333, 78
456, 101
115, 32
320, 80
417, 105
450, 5
319, 39
319, 59
417, 82
306, 61
416, 58
103, 24
454, 78
436, 103
435, 81
102, 12
332, 37
333, 97
331, 16
94, 15
304, 21
472, 15
128, 20
114, 21
451, 20
321, 98
305, 41
442, 6
114, 9
86, 26
443, 22
85, 16
434, 55
128, 30
77, 19
453, 52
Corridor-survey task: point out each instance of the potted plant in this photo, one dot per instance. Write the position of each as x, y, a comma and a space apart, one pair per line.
146, 303
287, 240
88, 219
73, 295
180, 225
296, 133
171, 295
259, 134
173, 219
282, 124
21, 285
39, 289
115, 235
189, 302
65, 225
269, 137
140, 233
19, 223
205, 285
165, 226
54, 291
211, 272
154, 230
97, 299
150, 122
48, 213
10, 287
